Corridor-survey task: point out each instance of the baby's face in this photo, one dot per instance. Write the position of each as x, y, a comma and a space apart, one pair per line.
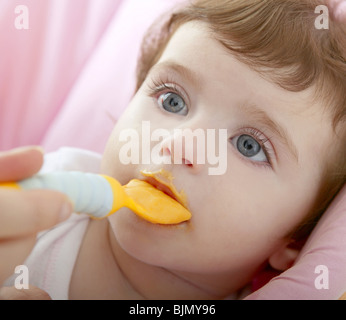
276, 144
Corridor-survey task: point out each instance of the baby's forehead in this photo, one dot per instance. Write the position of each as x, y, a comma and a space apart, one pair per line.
280, 42
195, 55
296, 69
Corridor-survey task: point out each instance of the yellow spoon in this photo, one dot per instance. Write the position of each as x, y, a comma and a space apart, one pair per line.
100, 196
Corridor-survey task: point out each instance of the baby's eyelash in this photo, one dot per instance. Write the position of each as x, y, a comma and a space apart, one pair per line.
263, 141
159, 85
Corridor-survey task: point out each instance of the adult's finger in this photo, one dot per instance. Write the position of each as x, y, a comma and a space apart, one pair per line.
23, 213
20, 163
33, 293
13, 253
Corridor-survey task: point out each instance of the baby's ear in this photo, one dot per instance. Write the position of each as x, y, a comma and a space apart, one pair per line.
284, 257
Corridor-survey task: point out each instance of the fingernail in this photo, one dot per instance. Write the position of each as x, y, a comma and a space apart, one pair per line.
65, 211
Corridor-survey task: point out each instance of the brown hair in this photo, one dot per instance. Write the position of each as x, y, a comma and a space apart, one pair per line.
278, 39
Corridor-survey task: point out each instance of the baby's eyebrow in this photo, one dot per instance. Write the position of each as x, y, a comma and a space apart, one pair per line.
171, 65
251, 109
282, 133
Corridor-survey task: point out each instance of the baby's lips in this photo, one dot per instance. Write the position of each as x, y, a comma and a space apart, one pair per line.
165, 189
157, 206
163, 180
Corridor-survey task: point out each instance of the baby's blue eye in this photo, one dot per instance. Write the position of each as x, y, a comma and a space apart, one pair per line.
172, 102
249, 148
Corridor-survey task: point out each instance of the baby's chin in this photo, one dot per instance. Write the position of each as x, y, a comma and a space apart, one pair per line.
142, 240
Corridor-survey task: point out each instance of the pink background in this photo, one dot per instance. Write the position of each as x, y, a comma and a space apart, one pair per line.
65, 78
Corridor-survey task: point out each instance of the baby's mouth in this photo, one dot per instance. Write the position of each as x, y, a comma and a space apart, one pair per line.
162, 187
158, 180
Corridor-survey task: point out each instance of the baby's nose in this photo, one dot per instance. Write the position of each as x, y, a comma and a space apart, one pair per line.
183, 149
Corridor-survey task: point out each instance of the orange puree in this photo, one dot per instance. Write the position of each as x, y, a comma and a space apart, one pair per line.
157, 206
166, 178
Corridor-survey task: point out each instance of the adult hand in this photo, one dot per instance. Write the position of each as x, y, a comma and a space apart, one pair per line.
24, 213
33, 293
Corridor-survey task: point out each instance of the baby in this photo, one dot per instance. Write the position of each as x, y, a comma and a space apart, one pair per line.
263, 72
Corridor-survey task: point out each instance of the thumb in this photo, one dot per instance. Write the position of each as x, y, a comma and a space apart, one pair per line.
33, 293
20, 163
24, 213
